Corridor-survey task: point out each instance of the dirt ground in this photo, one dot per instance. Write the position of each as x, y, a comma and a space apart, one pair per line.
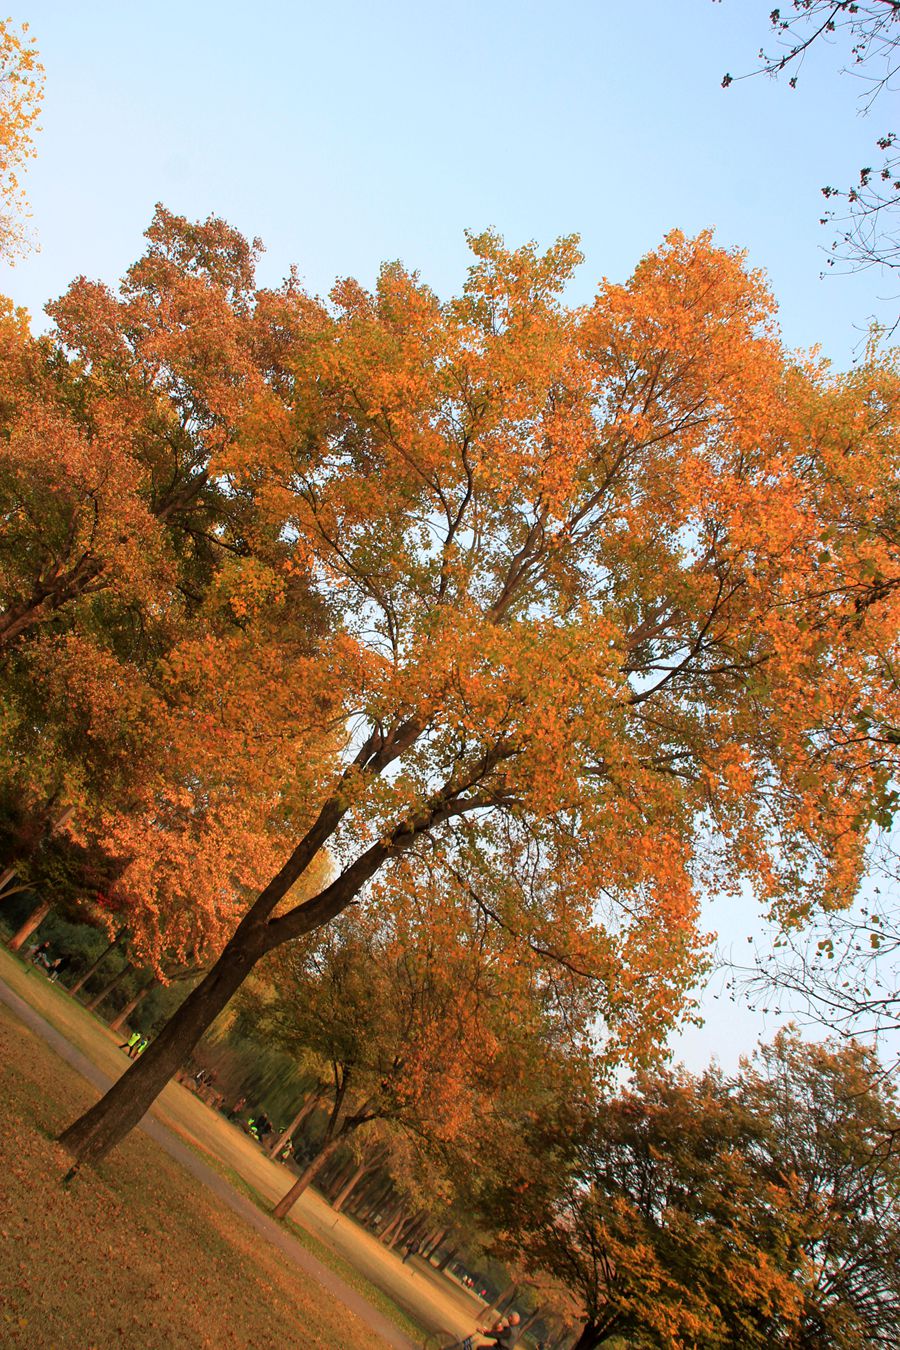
431, 1298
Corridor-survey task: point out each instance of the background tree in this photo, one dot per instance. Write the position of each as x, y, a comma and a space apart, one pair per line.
588, 641
832, 1125
418, 1013
760, 1211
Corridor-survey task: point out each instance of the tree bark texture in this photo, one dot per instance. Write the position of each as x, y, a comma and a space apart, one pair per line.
91, 1137
306, 1109
34, 920
287, 1201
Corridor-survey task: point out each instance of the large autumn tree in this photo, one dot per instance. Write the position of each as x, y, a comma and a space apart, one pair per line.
604, 593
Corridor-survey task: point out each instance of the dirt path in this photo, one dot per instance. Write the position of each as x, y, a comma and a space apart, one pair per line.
160, 1134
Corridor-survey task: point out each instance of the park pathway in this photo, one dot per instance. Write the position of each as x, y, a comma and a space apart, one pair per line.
333, 1285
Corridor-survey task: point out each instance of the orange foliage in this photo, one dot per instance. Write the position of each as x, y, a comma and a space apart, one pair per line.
21, 92
592, 609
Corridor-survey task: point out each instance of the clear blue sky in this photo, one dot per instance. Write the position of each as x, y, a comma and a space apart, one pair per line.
347, 133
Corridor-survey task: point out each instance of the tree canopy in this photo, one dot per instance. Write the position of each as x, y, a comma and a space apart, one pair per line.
616, 625
762, 1210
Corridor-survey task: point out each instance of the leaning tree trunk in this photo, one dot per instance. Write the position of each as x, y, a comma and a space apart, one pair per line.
591, 1336
333, 1178
34, 920
309, 1105
92, 1136
503, 1298
121, 1018
448, 1256
108, 1122
83, 979
287, 1201
366, 1170
395, 1221
407, 1231
350, 1186
528, 1322
107, 989
434, 1241
370, 1199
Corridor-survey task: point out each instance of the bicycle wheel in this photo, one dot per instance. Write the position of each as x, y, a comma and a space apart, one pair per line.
441, 1340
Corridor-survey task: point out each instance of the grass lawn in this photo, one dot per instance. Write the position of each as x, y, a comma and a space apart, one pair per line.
413, 1298
138, 1254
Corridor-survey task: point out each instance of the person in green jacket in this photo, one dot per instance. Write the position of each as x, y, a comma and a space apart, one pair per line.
131, 1043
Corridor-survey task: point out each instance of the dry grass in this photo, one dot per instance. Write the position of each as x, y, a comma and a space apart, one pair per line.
138, 1255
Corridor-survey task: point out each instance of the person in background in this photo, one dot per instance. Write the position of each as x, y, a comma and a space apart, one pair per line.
57, 967
504, 1333
40, 955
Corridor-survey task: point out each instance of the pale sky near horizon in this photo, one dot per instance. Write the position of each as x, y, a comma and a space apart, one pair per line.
346, 134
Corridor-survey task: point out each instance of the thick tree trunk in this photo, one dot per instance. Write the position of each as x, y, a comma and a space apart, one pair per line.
92, 1136
591, 1336
83, 979
34, 920
506, 1296
308, 1106
116, 979
447, 1257
121, 1018
432, 1242
349, 1187
287, 1201
6, 877
396, 1219
372, 1198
